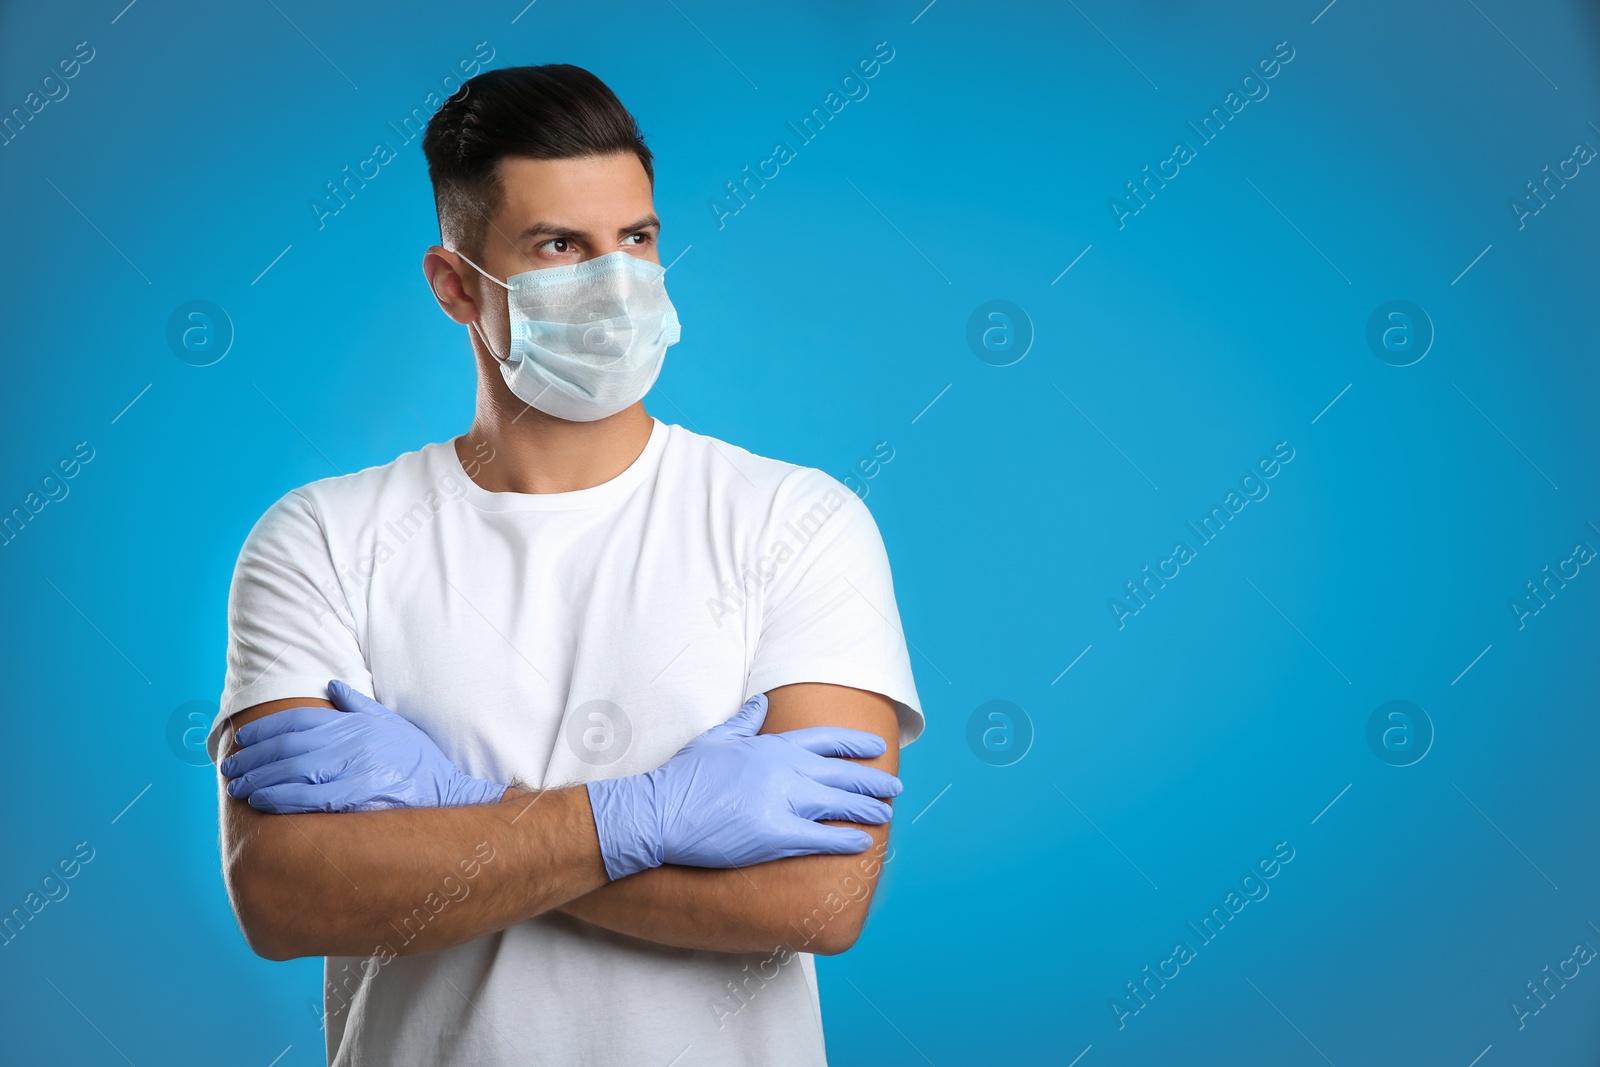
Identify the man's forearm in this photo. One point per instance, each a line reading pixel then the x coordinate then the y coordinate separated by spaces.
pixel 411 879
pixel 812 904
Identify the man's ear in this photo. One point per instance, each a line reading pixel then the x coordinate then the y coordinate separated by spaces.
pixel 446 274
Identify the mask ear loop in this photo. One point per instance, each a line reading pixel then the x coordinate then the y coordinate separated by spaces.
pixel 474 324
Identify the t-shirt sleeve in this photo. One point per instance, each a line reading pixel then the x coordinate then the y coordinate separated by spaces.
pixel 290 628
pixel 828 609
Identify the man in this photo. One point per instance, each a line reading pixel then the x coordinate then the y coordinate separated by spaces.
pixel 525 828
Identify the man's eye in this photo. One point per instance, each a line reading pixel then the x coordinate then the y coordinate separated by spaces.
pixel 644 238
pixel 558 241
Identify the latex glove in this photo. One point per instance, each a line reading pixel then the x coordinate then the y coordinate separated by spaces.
pixel 362 757
pixel 732 798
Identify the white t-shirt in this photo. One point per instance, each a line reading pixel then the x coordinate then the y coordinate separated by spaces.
pixel 550 639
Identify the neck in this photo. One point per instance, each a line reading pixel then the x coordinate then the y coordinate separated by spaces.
pixel 513 448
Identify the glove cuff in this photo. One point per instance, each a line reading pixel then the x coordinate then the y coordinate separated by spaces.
pixel 626 823
pixel 465 789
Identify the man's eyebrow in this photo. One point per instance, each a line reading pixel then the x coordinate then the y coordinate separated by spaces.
pixel 552 229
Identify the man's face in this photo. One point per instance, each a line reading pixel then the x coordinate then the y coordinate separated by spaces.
pixel 558 211
pixel 552 212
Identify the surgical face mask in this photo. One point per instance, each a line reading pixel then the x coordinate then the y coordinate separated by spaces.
pixel 587 339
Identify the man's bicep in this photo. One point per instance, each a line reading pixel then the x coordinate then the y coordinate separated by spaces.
pixel 237 816
pixel 803 704
pixel 829 614
pixel 290 626
pixel 853 878
pixel 227 746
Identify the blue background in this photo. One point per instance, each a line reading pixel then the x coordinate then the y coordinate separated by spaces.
pixel 831 313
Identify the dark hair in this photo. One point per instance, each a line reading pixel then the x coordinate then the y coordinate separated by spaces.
pixel 553 111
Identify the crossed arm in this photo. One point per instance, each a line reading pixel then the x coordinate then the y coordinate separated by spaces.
pixel 345 884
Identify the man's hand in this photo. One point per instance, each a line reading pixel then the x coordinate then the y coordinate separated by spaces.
pixel 363 757
pixel 733 798
pixel 813 904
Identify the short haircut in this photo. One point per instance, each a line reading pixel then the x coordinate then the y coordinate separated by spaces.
pixel 552 111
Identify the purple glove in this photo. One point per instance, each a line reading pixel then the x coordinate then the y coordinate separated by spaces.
pixel 362 757
pixel 732 798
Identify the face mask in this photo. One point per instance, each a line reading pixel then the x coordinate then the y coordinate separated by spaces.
pixel 587 339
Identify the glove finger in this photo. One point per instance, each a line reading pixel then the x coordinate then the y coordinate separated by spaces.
pixel 821 802
pixel 347 699
pixel 296 798
pixel 837 741
pixel 746 722
pixel 813 838
pixel 855 777
pixel 281 746
pixel 318 767
pixel 284 721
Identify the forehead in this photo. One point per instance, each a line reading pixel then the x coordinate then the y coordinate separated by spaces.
pixel 593 193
